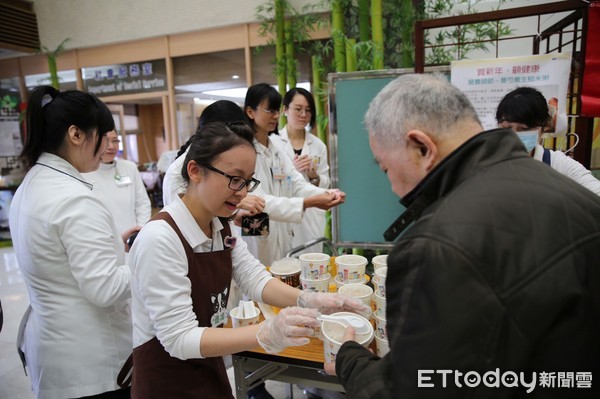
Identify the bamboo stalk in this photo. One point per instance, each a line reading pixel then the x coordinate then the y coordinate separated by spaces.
pixel 406 34
pixel 377 25
pixel 290 55
pixel 280 45
pixel 364 29
pixel 350 55
pixel 317 89
pixel 337 34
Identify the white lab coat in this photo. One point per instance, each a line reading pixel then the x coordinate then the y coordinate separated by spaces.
pixel 120 188
pixel 313 224
pixel 284 201
pixel 78 334
pixel 570 168
pixel 173 183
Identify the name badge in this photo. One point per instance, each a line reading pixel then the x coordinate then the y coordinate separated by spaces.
pixel 123 180
pixel 277 172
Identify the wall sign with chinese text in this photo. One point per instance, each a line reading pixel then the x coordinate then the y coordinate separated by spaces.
pixel 136 77
pixel 487 81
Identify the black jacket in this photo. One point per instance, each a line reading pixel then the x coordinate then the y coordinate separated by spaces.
pixel 499 272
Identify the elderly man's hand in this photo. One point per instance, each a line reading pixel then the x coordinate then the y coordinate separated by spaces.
pixel 348 336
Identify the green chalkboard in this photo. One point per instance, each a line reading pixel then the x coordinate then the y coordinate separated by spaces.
pixel 370 206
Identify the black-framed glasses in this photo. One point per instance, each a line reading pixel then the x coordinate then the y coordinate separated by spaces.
pixel 236 183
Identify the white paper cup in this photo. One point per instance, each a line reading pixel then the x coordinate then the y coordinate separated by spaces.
pixel 379 281
pixel 379 305
pixel 380 326
pixel 314 265
pixel 333 335
pixel 351 268
pixel 287 270
pixel 379 261
pixel 338 282
pixel 321 285
pixel 383 346
pixel 359 291
pixel 237 321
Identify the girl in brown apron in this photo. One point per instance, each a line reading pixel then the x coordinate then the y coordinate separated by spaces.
pixel 182 263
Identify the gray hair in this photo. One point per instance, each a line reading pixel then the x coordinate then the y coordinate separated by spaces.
pixel 426 102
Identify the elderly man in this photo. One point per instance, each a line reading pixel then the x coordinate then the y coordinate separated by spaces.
pixel 494 287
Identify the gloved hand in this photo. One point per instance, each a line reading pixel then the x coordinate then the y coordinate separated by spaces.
pixel 290 327
pixel 328 303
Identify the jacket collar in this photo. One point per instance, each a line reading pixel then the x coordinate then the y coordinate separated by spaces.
pixel 283 134
pixel 477 153
pixel 61 165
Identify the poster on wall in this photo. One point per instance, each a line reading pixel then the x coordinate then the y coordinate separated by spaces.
pixel 10 137
pixel 487 81
pixel 10 132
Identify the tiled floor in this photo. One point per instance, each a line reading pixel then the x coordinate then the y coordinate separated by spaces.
pixel 13 293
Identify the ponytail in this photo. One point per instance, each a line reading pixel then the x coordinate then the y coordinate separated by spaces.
pixel 51 112
pixel 34 142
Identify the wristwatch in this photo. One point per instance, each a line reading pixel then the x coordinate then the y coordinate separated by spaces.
pixel 315 181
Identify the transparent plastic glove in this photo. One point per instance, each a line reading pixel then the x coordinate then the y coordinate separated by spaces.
pixel 290 327
pixel 328 303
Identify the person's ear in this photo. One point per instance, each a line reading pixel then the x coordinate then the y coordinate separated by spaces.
pixel 427 151
pixel 195 172
pixel 75 136
pixel 250 112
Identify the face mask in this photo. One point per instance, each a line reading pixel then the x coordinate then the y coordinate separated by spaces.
pixel 529 139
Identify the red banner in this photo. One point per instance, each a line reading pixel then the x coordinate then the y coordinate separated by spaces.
pixel 590 91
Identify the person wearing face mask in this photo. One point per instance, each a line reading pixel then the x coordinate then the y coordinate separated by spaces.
pixel 525 110
pixel 495 264
pixel 118 184
pixel 309 155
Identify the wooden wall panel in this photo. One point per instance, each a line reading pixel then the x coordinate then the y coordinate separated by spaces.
pixel 9 68
pixel 150 143
pixel 34 64
pixel 135 51
pixel 208 41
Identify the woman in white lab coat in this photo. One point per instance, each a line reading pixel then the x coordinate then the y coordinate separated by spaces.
pixel 78 332
pixel 287 195
pixel 309 155
pixel 118 184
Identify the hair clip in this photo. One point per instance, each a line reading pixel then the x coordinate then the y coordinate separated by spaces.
pixel 230 242
pixel 47 99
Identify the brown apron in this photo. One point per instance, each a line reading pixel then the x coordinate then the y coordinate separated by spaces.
pixel 158 375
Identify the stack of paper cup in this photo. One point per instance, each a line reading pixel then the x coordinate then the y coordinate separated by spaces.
pixel 381 338
pixel 380 303
pixel 315 272
pixel 379 281
pixel 378 262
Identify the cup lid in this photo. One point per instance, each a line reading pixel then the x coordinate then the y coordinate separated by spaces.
pixel 314 256
pixel 285 266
